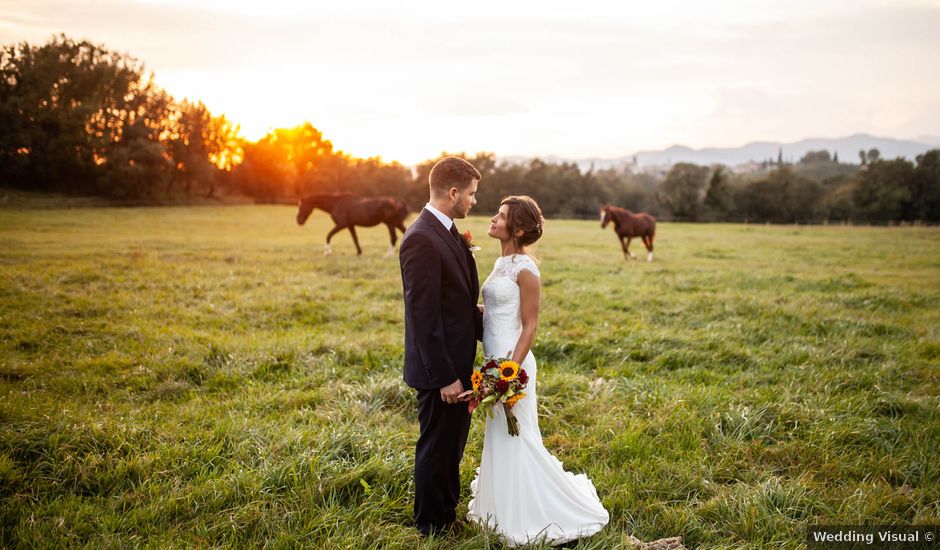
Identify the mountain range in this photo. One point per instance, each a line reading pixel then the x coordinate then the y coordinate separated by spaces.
pixel 846 147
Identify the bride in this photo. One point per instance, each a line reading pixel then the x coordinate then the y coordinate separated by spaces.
pixel 521 490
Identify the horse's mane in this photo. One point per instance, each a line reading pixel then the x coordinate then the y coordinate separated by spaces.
pixel 619 210
pixel 619 214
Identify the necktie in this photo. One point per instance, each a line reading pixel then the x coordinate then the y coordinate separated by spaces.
pixel 455 233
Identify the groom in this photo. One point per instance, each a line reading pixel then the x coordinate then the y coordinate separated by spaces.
pixel 442 326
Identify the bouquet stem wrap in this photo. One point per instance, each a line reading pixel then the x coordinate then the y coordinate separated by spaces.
pixel 511 421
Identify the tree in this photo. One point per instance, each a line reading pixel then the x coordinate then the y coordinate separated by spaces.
pixel 64 108
pixel 365 177
pixel 683 190
pixel 781 197
pixel 925 195
pixel 812 157
pixel 135 168
pixel 636 192
pixel 288 163
pixel 136 164
pixel 202 147
pixel 263 174
pixel 719 200
pixel 881 191
pixel 78 118
pixel 837 204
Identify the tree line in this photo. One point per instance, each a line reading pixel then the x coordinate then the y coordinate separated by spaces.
pixel 816 189
pixel 77 118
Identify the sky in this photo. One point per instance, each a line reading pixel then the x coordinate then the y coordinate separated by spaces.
pixel 569 79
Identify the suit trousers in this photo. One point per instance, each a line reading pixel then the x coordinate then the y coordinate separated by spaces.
pixel 444 430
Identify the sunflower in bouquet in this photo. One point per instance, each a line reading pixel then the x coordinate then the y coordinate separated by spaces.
pixel 498 380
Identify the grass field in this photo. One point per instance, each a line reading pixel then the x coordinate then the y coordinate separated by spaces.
pixel 179 377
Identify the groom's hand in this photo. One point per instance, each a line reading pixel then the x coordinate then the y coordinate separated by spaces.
pixel 452 393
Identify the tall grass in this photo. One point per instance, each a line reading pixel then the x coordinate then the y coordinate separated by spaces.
pixel 205 377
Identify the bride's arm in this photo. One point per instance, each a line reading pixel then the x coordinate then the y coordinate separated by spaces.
pixel 530 295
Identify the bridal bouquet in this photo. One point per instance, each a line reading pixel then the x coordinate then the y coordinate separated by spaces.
pixel 499 380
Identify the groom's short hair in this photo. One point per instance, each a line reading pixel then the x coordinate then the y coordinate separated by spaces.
pixel 451 172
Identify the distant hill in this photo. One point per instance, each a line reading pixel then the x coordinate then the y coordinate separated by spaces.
pixel 847 148
pixel 929 139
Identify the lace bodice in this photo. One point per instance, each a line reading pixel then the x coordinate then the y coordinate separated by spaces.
pixel 501 297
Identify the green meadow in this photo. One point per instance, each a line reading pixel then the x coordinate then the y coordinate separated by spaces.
pixel 205 377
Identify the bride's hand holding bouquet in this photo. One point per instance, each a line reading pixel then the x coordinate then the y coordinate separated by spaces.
pixel 498 380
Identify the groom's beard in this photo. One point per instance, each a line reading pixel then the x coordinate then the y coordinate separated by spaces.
pixel 461 213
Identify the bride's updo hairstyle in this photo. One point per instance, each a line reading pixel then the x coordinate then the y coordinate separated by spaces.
pixel 525 214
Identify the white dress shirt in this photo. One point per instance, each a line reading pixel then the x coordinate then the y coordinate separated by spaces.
pixel 444 219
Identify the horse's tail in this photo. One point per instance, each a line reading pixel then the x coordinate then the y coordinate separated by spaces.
pixel 652 231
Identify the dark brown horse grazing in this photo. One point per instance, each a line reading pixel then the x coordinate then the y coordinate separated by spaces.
pixel 349 211
pixel 628 225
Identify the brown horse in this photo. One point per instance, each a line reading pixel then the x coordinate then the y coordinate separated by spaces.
pixel 349 211
pixel 628 225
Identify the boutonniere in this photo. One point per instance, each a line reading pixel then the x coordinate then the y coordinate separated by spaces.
pixel 468 240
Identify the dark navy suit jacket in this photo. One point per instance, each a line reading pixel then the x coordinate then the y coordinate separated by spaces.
pixel 441 289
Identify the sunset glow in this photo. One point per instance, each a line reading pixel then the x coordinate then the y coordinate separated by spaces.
pixel 595 79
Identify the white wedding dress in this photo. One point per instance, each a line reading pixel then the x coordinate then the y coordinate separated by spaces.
pixel 521 490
